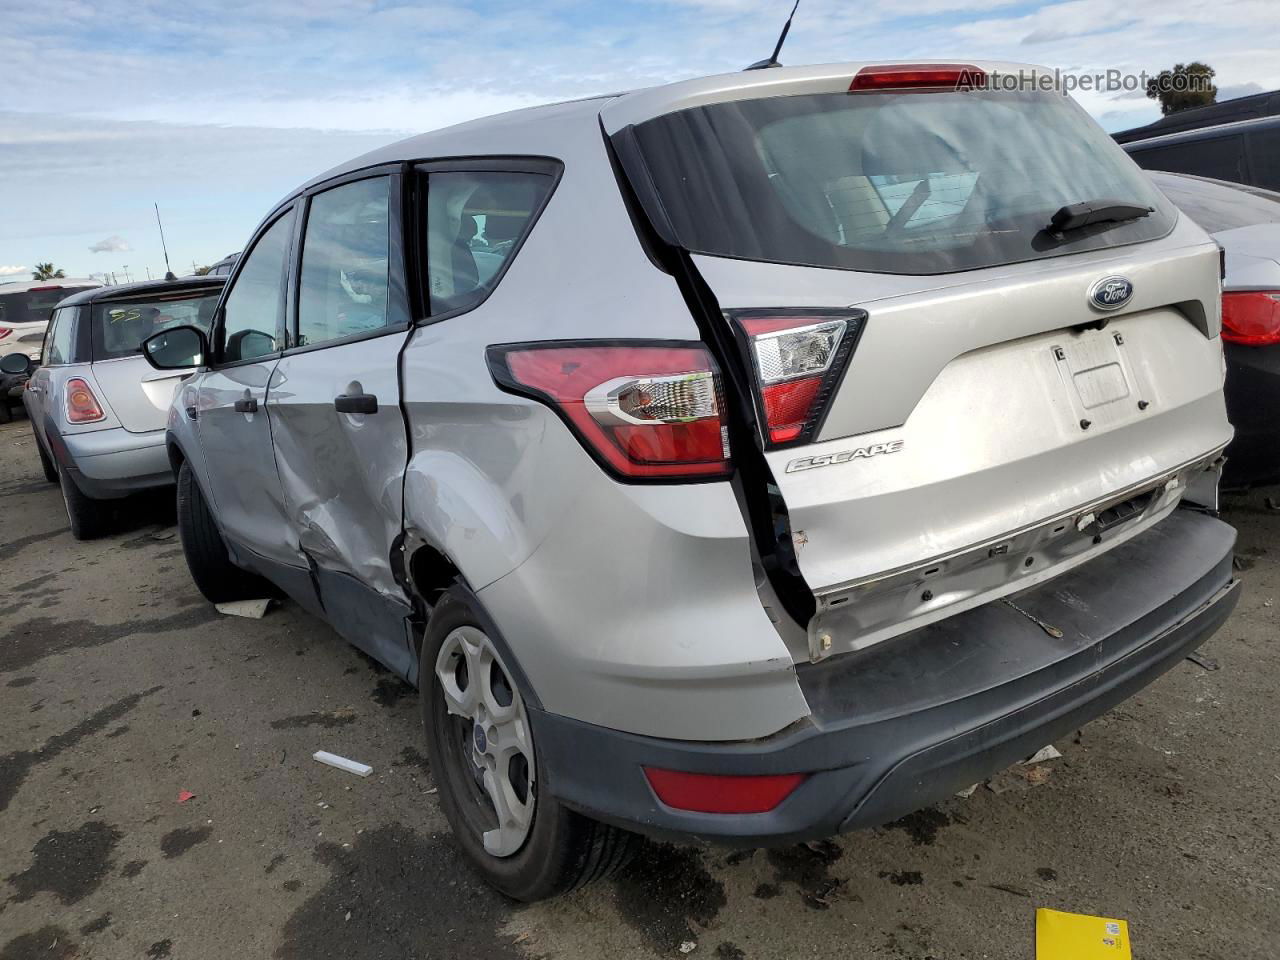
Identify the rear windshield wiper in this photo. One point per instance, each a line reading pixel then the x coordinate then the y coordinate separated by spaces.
pixel 1088 212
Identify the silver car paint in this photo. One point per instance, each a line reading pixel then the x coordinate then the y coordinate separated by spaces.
pixel 139 395
pixel 342 473
pixel 239 470
pixel 637 607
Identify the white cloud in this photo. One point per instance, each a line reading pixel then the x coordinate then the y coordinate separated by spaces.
pixel 113 244
pixel 12 271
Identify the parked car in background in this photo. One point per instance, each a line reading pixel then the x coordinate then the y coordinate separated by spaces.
pixel 25 308
pixel 868 441
pixel 1246 222
pixel 97 408
pixel 1215 114
pixel 223 267
pixel 1245 151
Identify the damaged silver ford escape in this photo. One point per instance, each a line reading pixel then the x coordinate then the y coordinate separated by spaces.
pixel 751 458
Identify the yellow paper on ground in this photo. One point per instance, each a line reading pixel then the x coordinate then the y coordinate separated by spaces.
pixel 1074 936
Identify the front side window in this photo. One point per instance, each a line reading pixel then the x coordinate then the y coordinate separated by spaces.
pixel 119 328
pixel 474 223
pixel 891 182
pixel 251 316
pixel 345 260
pixel 58 342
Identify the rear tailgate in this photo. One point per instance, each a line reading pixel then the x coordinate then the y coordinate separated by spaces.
pixel 138 393
pixel 948 411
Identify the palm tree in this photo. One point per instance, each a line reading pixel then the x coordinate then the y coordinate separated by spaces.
pixel 45 271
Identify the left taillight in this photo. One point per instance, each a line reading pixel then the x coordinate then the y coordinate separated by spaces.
pixel 645 411
pixel 798 359
pixel 1251 317
pixel 82 405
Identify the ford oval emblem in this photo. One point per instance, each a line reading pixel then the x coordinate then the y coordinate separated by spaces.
pixel 1111 293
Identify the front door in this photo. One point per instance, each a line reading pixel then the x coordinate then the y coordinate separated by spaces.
pixel 231 399
pixel 334 406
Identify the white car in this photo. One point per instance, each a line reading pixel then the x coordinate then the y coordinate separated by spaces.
pixel 25 309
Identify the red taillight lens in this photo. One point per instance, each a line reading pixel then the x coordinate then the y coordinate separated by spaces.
pixel 916 75
pixel 1251 318
pixel 797 360
pixel 646 412
pixel 710 793
pixel 82 405
pixel 5 331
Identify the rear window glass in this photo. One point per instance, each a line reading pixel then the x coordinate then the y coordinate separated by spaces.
pixel 32 306
pixel 1217 207
pixel 120 327
pixel 912 183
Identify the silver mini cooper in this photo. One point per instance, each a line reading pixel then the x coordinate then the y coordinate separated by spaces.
pixel 751 458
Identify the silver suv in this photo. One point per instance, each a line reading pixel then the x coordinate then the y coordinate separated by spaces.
pixel 751 458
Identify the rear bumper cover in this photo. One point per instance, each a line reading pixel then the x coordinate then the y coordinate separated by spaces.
pixel 113 463
pixel 909 721
pixel 1253 406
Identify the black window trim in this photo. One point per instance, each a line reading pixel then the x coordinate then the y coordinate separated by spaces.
pixel 397 284
pixel 215 362
pixel 542 165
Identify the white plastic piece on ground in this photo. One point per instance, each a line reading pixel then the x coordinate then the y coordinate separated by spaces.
pixel 342 763
pixel 967 792
pixel 253 609
pixel 1043 754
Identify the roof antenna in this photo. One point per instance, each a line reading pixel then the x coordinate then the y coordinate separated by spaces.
pixel 168 273
pixel 782 38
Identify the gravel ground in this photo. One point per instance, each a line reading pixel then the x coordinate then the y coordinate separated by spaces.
pixel 120 687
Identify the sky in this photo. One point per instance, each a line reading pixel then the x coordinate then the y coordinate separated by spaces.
pixel 216 110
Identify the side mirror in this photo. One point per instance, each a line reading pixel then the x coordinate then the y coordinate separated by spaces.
pixel 176 348
pixel 16 364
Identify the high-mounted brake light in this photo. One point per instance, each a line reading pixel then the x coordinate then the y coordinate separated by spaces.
pixel 645 410
pixel 82 405
pixel 798 359
pixel 52 286
pixel 714 793
pixel 1251 318
pixel 916 75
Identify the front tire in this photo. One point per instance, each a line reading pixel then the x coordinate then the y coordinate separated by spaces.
pixel 493 787
pixel 88 517
pixel 215 576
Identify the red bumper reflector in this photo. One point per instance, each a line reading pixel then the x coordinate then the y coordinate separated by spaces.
pixel 906 75
pixel 710 793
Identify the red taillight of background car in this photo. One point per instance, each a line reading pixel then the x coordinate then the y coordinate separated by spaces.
pixel 714 793
pixel 5 331
pixel 900 76
pixel 82 405
pixel 1252 317
pixel 645 411
pixel 798 359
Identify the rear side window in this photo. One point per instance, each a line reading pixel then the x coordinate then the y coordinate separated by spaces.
pixel 251 317
pixel 890 182
pixel 118 328
pixel 1221 158
pixel 474 223
pixel 61 336
pixel 345 260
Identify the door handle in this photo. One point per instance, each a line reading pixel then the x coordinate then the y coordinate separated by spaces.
pixel 246 405
pixel 356 403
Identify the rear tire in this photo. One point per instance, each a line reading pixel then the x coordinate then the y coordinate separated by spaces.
pixel 88 517
pixel 215 576
pixel 46 461
pixel 561 849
